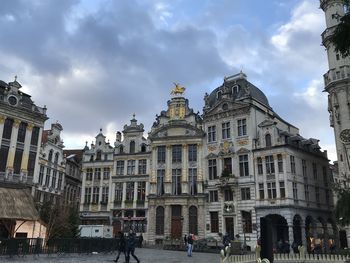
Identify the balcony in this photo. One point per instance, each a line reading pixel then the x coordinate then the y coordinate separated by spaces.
pixel 327 33
pixel 337 74
pixel 227 181
pixel 16 178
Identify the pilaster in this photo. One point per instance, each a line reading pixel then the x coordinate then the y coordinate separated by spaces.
pixel 13 143
pixel 24 164
pixel 2 121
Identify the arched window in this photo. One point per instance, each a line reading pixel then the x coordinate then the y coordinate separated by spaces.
pixel 50 156
pixel 132 147
pixel 193 220
pixel 143 148
pixel 268 140
pixel 56 157
pixel 160 220
pixel 219 95
pixel 98 155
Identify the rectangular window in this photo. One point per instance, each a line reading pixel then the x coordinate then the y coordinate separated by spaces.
pixel 31 163
pixel 131 167
pixel 60 178
pixel 22 132
pixel 214 222
pixel 292 164
pixel 129 191
pixel 192 152
pixel 314 170
pixel 226 130
pixel 212 133
pixel 325 177
pixel 280 163
pixel 303 165
pixel 141 191
pixel 176 153
pixel 228 195
pixel 87 197
pixel 228 166
pixel 106 173
pixel 89 172
pixel 120 168
pixel 143 166
pixel 176 182
pixel 118 194
pixel 306 190
pixel 242 127
pixel 317 194
pixel 6 134
pixel 47 179
pixel 35 136
pixel 105 191
pixel 97 174
pixel 95 194
pixel 243 165
pixel 282 190
pixel 271 190
pixel 247 222
pixel 270 165
pixel 41 174
pixel 54 176
pixel 160 181
pixel 161 154
pixel 213 196
pixel 327 197
pixel 17 161
pixel 261 191
pixel 3 157
pixel 295 191
pixel 260 166
pixel 245 193
pixel 192 181
pixel 212 169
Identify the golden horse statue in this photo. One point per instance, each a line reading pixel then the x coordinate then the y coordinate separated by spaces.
pixel 178 89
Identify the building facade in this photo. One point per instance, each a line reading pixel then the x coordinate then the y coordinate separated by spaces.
pixel 176 199
pixel 257 165
pixel 50 178
pixel 21 126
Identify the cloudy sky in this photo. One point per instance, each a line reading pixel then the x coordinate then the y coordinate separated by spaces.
pixel 95 63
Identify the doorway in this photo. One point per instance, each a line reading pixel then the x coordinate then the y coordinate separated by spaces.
pixel 176 227
pixel 230 229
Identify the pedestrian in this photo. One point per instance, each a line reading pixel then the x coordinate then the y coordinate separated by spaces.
pixel 185 241
pixel 189 245
pixel 226 240
pixel 140 240
pixel 121 246
pixel 130 247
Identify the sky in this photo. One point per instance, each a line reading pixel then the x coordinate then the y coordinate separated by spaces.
pixel 95 63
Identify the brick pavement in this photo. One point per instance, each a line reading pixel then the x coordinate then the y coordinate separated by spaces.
pixel 146 255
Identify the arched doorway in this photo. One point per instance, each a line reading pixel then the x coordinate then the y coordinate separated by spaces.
pixel 279 231
pixel 297 236
pixel 309 233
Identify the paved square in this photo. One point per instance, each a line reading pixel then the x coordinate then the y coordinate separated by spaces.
pixel 146 255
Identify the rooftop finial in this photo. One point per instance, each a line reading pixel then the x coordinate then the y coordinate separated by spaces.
pixel 134 115
pixel 16 78
pixel 100 130
pixel 86 143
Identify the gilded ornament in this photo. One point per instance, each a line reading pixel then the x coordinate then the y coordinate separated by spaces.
pixel 178 90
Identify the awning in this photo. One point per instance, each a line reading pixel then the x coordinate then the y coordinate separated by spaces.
pixel 17 204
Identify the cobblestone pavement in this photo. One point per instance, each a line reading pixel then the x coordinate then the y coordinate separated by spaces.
pixel 146 255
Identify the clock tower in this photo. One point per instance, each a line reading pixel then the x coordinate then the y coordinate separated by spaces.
pixel 337 84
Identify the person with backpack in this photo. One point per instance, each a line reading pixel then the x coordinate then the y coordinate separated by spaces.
pixel 121 245
pixel 130 247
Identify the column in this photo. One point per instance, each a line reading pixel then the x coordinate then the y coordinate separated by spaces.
pixel 200 177
pixel 2 121
pixel 167 220
pixel 168 166
pixel 12 149
pixel 153 172
pixel 37 167
pixel 184 169
pixel 185 221
pixel 24 164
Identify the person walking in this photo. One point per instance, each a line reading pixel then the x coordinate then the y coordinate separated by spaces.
pixel 140 240
pixel 189 245
pixel 121 246
pixel 130 247
pixel 185 241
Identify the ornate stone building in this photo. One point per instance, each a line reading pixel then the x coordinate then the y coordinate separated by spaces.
pixel 50 177
pixel 21 126
pixel 176 199
pixel 257 165
pixel 115 181
pixel 337 84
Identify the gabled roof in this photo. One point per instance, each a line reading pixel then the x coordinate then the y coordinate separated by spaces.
pixel 17 203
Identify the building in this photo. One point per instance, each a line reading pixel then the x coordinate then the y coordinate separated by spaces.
pixel 337 84
pixel 72 186
pixel 115 181
pixel 257 165
pixel 50 178
pixel 21 126
pixel 176 201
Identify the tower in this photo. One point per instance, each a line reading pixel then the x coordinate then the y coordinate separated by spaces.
pixel 337 84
